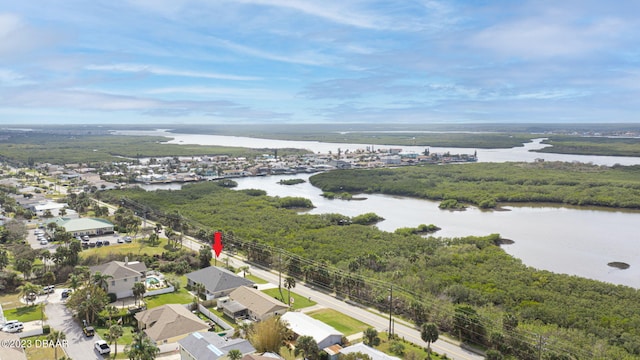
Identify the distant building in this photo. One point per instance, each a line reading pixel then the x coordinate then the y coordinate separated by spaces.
pixel 86 226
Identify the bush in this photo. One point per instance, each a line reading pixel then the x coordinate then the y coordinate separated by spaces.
pixel 112 297
pixel 46 329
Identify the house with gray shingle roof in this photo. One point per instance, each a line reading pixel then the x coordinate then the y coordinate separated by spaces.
pixel 210 346
pixel 217 281
pixel 123 276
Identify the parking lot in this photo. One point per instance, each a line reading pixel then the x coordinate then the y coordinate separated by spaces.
pixel 87 242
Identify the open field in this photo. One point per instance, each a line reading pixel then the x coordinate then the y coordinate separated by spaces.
pixel 343 323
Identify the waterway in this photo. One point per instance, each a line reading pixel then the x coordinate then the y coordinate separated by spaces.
pixel 556 238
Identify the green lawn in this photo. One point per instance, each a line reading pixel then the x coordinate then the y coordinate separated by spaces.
pixel 299 302
pixel 40 352
pixel 343 323
pixel 134 247
pixel 181 296
pixel 125 339
pixel 25 313
pixel 255 279
pixel 10 300
pixel 408 348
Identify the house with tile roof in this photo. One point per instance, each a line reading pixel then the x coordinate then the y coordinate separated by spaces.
pixel 217 281
pixel 123 276
pixel 169 323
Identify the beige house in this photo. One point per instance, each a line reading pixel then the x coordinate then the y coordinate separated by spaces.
pixel 123 276
pixel 258 305
pixel 169 323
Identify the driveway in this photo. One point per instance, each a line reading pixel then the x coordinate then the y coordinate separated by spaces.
pixel 61 319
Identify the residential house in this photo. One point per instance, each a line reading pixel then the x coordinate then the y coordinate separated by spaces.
pixel 258 305
pixel 211 346
pixel 304 325
pixel 123 276
pixel 264 356
pixel 217 281
pixel 169 323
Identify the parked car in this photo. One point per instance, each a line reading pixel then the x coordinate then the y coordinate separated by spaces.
pixel 120 241
pixel 127 239
pixel 102 347
pixel 85 238
pixel 99 243
pixel 13 327
pixel 65 293
pixel 44 242
pixel 88 331
pixel 106 242
pixel 49 289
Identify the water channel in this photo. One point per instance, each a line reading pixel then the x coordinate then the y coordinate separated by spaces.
pixel 556 238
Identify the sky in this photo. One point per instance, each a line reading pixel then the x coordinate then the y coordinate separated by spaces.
pixel 344 61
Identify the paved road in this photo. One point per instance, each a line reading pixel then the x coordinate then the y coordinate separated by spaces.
pixel 379 322
pixel 60 318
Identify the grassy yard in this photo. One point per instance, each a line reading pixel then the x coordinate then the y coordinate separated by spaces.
pixel 255 279
pixel 40 352
pixel 181 296
pixel 385 344
pixel 343 323
pixel 10 300
pixel 25 313
pixel 299 302
pixel 136 247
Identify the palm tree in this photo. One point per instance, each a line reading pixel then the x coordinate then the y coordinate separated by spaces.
pixel 308 347
pixel 27 289
pixel 234 354
pixel 115 332
pixel 371 337
pixel 141 348
pixel 138 291
pixel 101 280
pixel 289 283
pixel 200 290
pixel 55 337
pixel 245 270
pixel 74 282
pixel 111 310
pixel 429 333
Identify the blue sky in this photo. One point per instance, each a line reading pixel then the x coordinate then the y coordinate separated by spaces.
pixel 290 61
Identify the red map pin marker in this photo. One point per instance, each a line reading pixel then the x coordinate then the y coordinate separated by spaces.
pixel 217 243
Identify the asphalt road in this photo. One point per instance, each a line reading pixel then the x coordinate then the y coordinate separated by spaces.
pixel 60 318
pixel 377 321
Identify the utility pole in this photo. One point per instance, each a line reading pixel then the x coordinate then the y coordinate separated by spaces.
pixel 390 310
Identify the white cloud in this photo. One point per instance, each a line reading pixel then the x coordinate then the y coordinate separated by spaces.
pixel 544 38
pixel 157 70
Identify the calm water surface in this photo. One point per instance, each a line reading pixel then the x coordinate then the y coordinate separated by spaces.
pixel 559 239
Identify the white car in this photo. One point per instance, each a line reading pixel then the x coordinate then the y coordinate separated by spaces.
pixel 102 347
pixel 44 242
pixel 13 327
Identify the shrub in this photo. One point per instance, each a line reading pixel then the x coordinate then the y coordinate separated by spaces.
pixel 112 297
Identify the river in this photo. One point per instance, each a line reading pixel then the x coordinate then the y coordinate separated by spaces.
pixel 556 238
